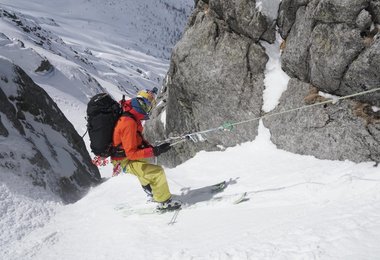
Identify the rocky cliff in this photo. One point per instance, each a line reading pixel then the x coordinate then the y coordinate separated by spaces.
pixel 217 72
pixel 330 47
pixel 37 142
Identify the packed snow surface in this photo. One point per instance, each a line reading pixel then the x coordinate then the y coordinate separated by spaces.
pixel 299 207
pixel 268 7
pixel 276 80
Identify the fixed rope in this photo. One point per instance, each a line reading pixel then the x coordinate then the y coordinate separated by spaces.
pixel 228 126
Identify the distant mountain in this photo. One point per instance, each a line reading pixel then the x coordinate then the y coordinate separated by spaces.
pixel 121 46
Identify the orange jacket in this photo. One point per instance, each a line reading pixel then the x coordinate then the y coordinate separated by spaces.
pixel 128 133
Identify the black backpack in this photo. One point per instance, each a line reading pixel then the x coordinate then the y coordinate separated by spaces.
pixel 102 114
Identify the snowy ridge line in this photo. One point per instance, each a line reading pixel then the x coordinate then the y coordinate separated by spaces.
pixel 228 126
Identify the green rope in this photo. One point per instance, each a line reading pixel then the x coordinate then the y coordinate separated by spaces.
pixel 228 126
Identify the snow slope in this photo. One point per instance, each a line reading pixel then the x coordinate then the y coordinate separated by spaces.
pixel 276 80
pixel 147 26
pixel 299 207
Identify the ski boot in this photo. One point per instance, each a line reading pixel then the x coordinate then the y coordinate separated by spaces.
pixel 170 204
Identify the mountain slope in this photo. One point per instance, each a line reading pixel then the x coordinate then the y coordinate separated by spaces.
pixel 43 160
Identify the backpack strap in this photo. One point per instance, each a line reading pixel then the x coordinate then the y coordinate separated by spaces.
pixel 128 114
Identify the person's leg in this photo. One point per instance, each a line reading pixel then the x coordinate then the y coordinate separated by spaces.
pixel 153 175
pixel 121 165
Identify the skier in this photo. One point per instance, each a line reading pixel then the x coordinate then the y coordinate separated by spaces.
pixel 133 150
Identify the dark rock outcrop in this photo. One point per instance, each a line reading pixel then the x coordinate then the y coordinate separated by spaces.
pixel 45 66
pixel 38 142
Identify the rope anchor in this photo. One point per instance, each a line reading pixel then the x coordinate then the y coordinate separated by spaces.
pixel 196 138
pixel 193 137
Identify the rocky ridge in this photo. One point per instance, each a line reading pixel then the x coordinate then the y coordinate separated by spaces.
pixel 217 71
pixel 216 74
pixel 330 47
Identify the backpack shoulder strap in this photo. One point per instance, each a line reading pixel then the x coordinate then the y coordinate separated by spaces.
pixel 128 114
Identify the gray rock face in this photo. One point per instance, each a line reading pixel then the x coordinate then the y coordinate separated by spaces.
pixel 287 15
pixel 364 74
pixel 339 11
pixel 37 141
pixel 364 20
pixel 295 58
pixel 241 16
pixel 216 75
pixel 334 132
pixel 329 43
pixel 375 9
pixel 333 48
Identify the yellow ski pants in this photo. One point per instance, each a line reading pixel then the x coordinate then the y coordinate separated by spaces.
pixel 147 173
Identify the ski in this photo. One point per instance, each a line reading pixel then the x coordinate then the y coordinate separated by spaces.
pixel 190 199
pixel 243 197
pixel 218 187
